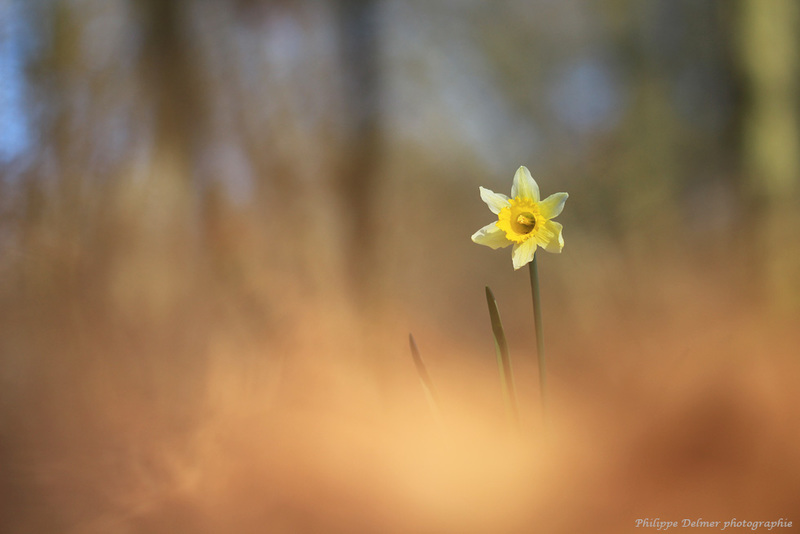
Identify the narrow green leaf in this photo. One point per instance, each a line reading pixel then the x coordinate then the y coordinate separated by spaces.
pixel 503 358
pixel 427 383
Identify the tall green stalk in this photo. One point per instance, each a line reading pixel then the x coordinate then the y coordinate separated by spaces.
pixel 537 319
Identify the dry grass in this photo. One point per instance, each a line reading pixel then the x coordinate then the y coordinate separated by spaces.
pixel 143 399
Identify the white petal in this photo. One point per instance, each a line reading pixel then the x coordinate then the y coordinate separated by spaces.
pixel 524 185
pixel 550 237
pixel 522 254
pixel 495 201
pixel 491 236
pixel 552 206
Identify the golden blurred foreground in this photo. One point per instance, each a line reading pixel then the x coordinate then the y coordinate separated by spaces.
pixel 145 393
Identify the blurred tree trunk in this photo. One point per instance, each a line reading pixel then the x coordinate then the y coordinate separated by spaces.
pixel 359 45
pixel 153 202
pixel 771 144
pixel 648 172
pixel 167 71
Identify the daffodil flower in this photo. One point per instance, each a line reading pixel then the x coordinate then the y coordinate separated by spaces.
pixel 523 220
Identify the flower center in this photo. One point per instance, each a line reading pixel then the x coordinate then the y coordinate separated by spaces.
pixel 524 223
pixel 518 219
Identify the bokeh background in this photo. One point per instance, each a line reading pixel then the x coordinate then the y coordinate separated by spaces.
pixel 219 221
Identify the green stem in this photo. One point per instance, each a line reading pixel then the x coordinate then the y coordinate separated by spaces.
pixel 503 359
pixel 537 319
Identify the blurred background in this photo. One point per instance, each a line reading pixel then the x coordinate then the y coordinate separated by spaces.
pixel 207 206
